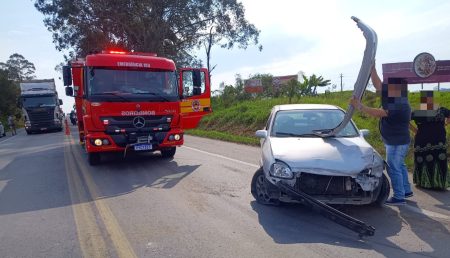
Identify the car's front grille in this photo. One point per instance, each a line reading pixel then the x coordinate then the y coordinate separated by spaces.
pixel 326 185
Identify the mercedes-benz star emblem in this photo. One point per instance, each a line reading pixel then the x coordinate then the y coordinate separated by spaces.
pixel 139 122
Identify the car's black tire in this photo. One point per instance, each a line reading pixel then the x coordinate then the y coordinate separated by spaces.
pixel 94 158
pixel 169 152
pixel 260 189
pixel 385 189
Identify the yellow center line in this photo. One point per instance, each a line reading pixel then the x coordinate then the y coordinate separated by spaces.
pixel 90 238
pixel 119 240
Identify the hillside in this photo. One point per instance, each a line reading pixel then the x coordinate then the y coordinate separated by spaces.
pixel 239 122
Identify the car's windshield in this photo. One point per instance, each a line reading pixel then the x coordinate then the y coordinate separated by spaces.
pixel 306 123
pixel 47 101
pixel 131 85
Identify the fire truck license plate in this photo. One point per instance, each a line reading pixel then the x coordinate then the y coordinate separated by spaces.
pixel 142 147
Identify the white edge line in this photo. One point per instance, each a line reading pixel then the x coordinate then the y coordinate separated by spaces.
pixel 223 157
pixel 11 137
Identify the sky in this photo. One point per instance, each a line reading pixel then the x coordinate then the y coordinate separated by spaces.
pixel 315 37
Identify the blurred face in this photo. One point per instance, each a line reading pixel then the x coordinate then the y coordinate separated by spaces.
pixel 426 100
pixel 394 90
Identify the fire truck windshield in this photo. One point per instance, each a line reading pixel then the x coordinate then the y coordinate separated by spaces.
pixel 107 84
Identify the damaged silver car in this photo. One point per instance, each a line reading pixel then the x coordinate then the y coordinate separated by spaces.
pixel 298 152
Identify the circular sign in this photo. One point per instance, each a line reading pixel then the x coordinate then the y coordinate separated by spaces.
pixel 424 65
pixel 196 105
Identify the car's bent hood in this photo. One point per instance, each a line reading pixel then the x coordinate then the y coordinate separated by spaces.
pixel 325 156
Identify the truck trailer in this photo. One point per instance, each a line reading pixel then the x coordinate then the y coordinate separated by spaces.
pixel 40 106
pixel 135 102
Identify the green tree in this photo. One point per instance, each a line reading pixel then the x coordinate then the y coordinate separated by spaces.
pixel 267 83
pixel 171 28
pixel 19 68
pixel 9 93
pixel 227 28
pixel 292 89
pixel 315 82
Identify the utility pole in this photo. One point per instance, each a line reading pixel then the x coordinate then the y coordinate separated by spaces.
pixel 341 82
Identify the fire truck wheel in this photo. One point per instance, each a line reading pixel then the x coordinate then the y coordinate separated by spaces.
pixel 169 152
pixel 94 158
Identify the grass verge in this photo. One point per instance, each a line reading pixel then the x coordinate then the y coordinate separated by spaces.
pixel 224 136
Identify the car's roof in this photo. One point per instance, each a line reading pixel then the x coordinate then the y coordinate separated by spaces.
pixel 304 106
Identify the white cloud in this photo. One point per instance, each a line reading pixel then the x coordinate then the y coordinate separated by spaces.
pixel 404 29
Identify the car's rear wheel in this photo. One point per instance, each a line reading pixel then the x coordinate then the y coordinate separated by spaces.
pixel 260 189
pixel 385 189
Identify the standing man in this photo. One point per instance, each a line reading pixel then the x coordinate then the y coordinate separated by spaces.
pixel 395 116
pixel 12 125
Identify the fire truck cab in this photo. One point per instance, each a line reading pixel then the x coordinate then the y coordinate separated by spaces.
pixel 127 101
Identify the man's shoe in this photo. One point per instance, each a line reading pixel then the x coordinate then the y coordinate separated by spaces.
pixel 395 201
pixel 409 195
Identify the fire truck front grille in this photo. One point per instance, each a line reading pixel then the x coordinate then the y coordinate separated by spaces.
pixel 130 122
pixel 142 129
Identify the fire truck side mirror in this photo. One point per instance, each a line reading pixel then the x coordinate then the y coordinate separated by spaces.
pixel 67 76
pixel 69 91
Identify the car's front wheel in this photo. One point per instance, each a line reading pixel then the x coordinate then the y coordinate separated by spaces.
pixel 260 189
pixel 385 189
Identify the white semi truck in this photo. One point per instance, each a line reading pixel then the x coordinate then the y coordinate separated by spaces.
pixel 40 106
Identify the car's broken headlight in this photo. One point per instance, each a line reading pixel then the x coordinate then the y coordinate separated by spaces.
pixel 281 170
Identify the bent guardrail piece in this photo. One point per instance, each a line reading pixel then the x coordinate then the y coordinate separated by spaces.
pixel 329 212
pixel 363 75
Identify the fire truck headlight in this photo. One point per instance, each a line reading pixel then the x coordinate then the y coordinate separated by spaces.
pixel 98 142
pixel 177 137
pixel 105 142
pixel 171 137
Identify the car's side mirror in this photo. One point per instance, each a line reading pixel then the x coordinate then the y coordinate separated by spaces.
pixel 261 134
pixel 364 132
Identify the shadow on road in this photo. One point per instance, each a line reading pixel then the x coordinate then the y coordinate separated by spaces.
pixel 118 175
pixel 442 196
pixel 32 175
pixel 35 178
pixel 295 223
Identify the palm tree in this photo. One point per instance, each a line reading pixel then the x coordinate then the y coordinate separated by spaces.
pixel 315 82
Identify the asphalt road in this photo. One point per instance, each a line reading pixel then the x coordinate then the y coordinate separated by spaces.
pixel 53 204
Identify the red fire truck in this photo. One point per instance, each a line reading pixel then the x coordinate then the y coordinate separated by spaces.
pixel 128 101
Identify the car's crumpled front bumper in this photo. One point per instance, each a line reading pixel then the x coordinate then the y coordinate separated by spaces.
pixel 333 187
